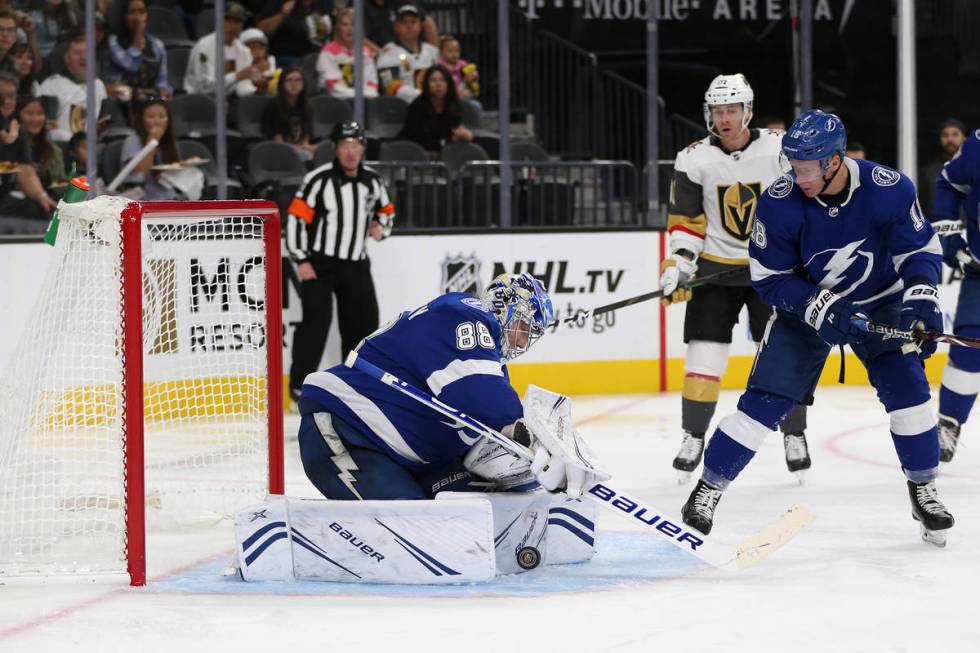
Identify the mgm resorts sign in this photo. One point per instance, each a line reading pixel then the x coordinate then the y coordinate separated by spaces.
pixel 767 10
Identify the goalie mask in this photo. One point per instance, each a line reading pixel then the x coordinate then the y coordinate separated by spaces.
pixel 728 89
pixel 522 307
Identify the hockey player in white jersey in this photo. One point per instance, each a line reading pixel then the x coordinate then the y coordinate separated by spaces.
pixel 713 198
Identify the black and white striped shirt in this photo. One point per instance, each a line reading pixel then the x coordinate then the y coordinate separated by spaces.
pixel 332 212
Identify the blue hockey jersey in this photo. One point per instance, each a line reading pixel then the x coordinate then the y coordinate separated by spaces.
pixel 451 347
pixel 863 249
pixel 959 184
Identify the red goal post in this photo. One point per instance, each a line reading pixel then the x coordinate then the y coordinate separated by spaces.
pixel 133 217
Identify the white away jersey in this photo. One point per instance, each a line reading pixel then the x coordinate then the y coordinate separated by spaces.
pixel 714 195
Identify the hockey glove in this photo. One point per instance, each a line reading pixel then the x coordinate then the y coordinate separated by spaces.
pixel 952 246
pixel 920 312
pixel 836 320
pixel 675 272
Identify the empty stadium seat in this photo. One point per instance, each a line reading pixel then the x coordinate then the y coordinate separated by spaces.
pixel 327 112
pixel 385 116
pixel 403 151
pixel 177 67
pixel 323 154
pixel 166 24
pixel 250 109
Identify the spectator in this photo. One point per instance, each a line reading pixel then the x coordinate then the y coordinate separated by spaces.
pixel 295 28
pixel 23 60
pixel 32 201
pixel 69 88
pixel 8 36
pixel 289 118
pixel 264 63
pixel 855 150
pixel 77 153
pixel 403 62
pixel 16 25
pixel 335 64
pixel 199 77
pixel 53 20
pixel 465 77
pixel 435 118
pixel 137 66
pixel 774 123
pixel 153 121
pixel 44 155
pixel 379 16
pixel 952 133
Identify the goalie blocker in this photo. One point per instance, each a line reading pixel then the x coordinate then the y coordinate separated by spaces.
pixel 458 537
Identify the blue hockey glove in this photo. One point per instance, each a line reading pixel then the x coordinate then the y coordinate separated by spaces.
pixel 836 320
pixel 953 245
pixel 920 311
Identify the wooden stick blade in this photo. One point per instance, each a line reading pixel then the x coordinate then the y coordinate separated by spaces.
pixel 763 544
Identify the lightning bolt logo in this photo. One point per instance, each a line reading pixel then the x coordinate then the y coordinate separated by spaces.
pixel 839 263
pixel 346 465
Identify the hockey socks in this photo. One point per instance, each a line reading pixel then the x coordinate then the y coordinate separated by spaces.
pixel 699 397
pixel 740 435
pixel 961 380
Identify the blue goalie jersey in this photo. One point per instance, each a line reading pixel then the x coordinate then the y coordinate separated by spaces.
pixel 450 346
pixel 959 184
pixel 864 249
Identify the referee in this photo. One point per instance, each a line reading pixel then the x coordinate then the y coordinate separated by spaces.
pixel 339 205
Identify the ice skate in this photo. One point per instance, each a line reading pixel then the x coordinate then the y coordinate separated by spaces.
pixel 689 457
pixel 949 437
pixel 699 511
pixel 797 454
pixel 933 517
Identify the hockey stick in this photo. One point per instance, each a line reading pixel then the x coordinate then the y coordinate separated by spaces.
pixel 581 315
pixel 746 554
pixel 887 331
pixel 946 227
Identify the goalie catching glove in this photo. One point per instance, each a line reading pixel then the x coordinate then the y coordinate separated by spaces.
pixel 562 459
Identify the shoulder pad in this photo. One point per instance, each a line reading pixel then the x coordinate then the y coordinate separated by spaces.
pixel 780 188
pixel 977 134
pixel 690 148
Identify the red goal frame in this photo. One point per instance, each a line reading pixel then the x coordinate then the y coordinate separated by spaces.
pixel 132 307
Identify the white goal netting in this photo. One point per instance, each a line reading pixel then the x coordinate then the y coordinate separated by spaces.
pixel 63 430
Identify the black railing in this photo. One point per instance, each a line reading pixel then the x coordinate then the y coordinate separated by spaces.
pixel 560 194
pixel 421 192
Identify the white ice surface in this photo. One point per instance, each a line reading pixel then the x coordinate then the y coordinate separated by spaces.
pixel 858 579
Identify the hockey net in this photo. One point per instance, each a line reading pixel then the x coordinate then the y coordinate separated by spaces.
pixel 146 385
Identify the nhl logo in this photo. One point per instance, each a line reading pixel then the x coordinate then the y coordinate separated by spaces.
pixel 461 274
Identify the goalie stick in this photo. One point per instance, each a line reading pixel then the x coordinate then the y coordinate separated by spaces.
pixel 752 550
pixel 581 315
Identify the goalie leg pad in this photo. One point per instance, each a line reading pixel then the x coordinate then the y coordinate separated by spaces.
pixel 263 542
pixel 538 528
pixel 572 530
pixel 413 542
